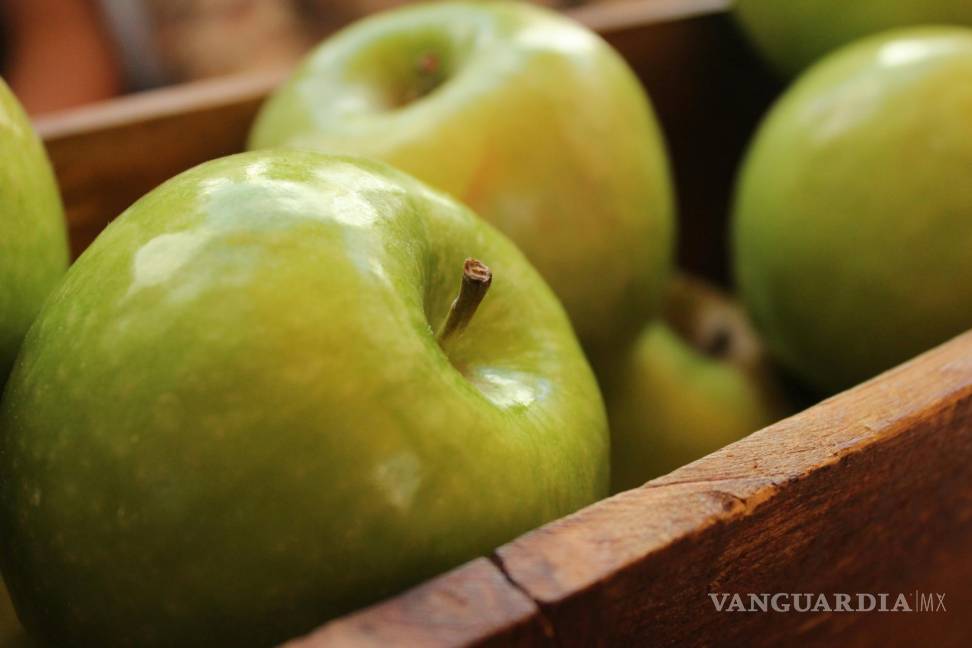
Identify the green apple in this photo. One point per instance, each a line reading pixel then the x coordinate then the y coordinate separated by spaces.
pixel 853 214
pixel 695 381
pixel 33 239
pixel 522 114
pixel 792 34
pixel 234 418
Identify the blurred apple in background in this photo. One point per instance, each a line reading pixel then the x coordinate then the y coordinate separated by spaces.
pixel 250 407
pixel 33 237
pixel 852 226
pixel 792 34
pixel 522 114
pixel 694 382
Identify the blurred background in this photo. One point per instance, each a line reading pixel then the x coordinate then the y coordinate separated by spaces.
pixel 57 54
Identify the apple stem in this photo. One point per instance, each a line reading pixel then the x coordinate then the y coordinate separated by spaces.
pixel 476 279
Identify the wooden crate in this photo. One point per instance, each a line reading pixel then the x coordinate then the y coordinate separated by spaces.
pixel 870 491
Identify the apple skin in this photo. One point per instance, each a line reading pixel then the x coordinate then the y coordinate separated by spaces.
pixel 528 118
pixel 796 33
pixel 694 381
pixel 852 220
pixel 33 238
pixel 232 420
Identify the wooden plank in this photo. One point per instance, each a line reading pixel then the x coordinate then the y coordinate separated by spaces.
pixel 472 604
pixel 870 491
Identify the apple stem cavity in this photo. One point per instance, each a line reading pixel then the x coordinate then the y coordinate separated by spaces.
pixel 428 76
pixel 476 279
pixel 428 64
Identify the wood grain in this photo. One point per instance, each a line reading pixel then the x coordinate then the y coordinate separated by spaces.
pixel 472 604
